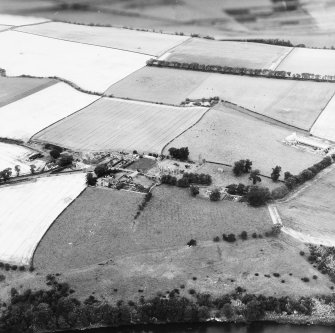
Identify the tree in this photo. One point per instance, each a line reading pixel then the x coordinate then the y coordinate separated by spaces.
pixel 239 167
pixel 17 170
pixel 275 173
pixel 101 170
pixel 183 182
pixel 244 235
pixel 90 179
pixel 194 190
pixel 228 311
pixel 287 175
pixel 258 196
pixel 179 153
pixel 5 174
pixel 254 176
pixel 54 153
pixel 254 310
pixel 247 166
pixel 215 195
pixel 32 168
pixel 65 160
pixel 192 242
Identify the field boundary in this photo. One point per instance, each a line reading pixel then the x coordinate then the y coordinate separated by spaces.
pixel 319 115
pixel 283 59
pixel 203 115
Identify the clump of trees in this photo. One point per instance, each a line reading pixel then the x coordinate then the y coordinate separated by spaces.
pixel 255 176
pixel 101 170
pixel 194 190
pixel 90 179
pixel 187 179
pixel 65 160
pixel 215 195
pixel 241 167
pixel 239 189
pixel 179 153
pixel 258 196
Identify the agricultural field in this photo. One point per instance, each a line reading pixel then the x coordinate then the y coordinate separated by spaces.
pixel 90 67
pixel 13 89
pixel 112 124
pixel 16 20
pixel 148 43
pixel 29 115
pixel 324 127
pixel 233 54
pixel 302 60
pixel 225 135
pixel 12 155
pixel 158 85
pixel 30 209
pixel 282 100
pixel 143 164
pixel 309 215
pixel 128 261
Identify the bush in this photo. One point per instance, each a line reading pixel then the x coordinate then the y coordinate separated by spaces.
pixel 191 291
pixel 192 242
pixel 254 235
pixel 276 275
pixel 315 277
pixel 216 239
pixel 215 195
pixel 305 279
pixel 302 253
pixel 244 235
pixel 194 190
pixel 258 196
pixel 231 238
pixel 279 192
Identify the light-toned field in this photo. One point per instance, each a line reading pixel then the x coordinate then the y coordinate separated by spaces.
pixel 152 254
pixel 112 124
pixel 302 60
pixel 225 135
pixel 149 43
pixel 12 155
pixel 4 27
pixel 29 209
pixel 233 54
pixel 17 20
pixel 310 213
pixel 159 85
pixel 324 127
pixel 283 100
pixel 90 67
pixel 29 115
pixel 12 89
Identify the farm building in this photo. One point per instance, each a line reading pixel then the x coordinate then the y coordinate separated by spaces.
pixel 308 142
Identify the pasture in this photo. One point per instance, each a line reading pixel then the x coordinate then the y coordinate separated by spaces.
pixel 30 209
pixel 316 61
pixel 12 155
pixel 158 85
pixel 151 254
pixel 148 43
pixel 282 100
pixel 29 115
pixel 310 213
pixel 225 135
pixel 324 127
pixel 232 54
pixel 112 124
pixel 12 89
pixel 90 67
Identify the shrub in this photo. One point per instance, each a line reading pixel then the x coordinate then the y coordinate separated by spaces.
pixel 305 279
pixel 302 253
pixel 194 190
pixel 215 195
pixel 258 196
pixel 315 277
pixel 279 192
pixel 254 235
pixel 231 238
pixel 244 235
pixel 216 239
pixel 192 242
pixel 191 291
pixel 276 274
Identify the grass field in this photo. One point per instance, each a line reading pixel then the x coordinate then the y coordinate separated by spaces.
pixel 152 254
pixel 324 127
pixel 12 89
pixel 111 124
pixel 310 213
pixel 29 211
pixel 161 85
pixel 283 100
pixel 225 135
pixel 302 60
pixel 12 155
pixel 233 54
pixel 129 40
pixel 143 164
pixel 29 115
pixel 90 67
